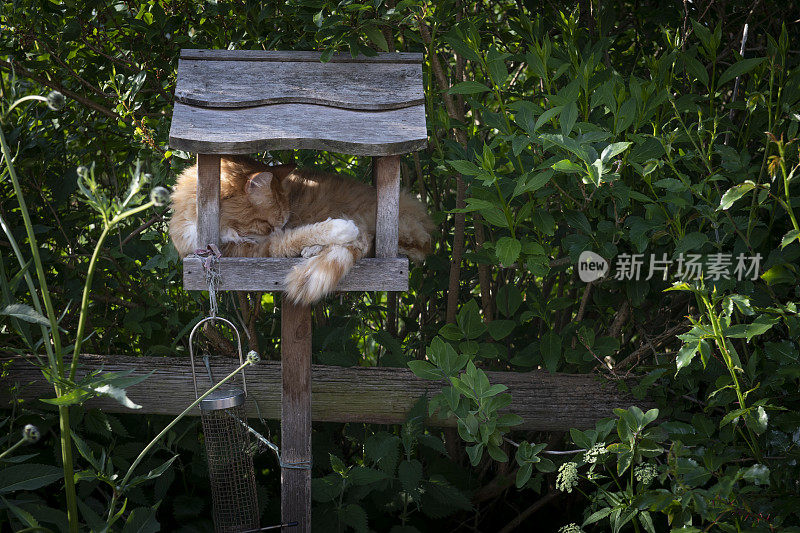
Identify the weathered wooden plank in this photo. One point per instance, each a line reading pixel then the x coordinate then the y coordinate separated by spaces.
pixel 293 55
pixel 297 126
pixel 269 273
pixel 296 414
pixel 208 171
pixel 365 86
pixel 387 181
pixel 546 402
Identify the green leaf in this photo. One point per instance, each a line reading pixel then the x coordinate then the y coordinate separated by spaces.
pixel 469 320
pixel 325 489
pixel 24 516
pixel 759 326
pixel 546 116
pixel 545 465
pixel 464 167
pixel 318 19
pixel 544 222
pixel 597 516
pixel 550 345
pixel 26 313
pixel 580 439
pixel 142 520
pixel 532 182
pixel 734 193
pixel 462 47
pixel 507 250
pixel 697 69
pixel 451 332
pixel 327 54
pixel 475 452
pixel 691 241
pixel 705 35
pixel 354 516
pixel 791 236
pixel 28 477
pixel 647 522
pixel 495 216
pixel 567 143
pixel 376 36
pixel 624 462
pixel 362 475
pixel 500 329
pixel 497 453
pixel 508 299
pixel 523 475
pixel 410 475
pixel 565 165
pixel 758 420
pixel 612 150
pixel 424 370
pixel 568 117
pixel 468 87
pixel 739 68
pixel 686 354
pixel 758 474
pixel 578 220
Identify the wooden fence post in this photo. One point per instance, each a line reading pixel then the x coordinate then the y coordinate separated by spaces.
pixel 296 414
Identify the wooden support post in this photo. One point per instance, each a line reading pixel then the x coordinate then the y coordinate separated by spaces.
pixel 296 414
pixel 386 174
pixel 207 200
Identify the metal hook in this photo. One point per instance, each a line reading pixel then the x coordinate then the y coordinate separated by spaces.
pixel 191 349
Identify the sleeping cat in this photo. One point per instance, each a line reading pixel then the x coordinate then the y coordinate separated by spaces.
pixel 280 211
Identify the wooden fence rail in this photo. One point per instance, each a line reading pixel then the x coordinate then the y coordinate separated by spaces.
pixel 546 402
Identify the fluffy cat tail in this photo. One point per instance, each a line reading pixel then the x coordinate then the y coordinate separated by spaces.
pixel 317 276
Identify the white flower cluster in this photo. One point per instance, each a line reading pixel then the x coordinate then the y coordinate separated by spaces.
pixel 645 473
pixel 591 455
pixel 570 528
pixel 567 477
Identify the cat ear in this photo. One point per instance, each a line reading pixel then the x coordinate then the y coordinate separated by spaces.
pixel 259 183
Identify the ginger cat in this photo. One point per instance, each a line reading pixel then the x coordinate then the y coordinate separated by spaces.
pixel 281 211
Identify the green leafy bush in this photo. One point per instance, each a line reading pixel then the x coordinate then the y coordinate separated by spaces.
pixel 619 129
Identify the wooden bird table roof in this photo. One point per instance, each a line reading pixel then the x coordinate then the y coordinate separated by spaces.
pixel 245 101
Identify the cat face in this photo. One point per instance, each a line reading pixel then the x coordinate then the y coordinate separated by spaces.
pixel 270 202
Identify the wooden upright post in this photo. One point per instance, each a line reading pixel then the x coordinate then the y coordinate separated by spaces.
pixel 207 199
pixel 386 175
pixel 296 414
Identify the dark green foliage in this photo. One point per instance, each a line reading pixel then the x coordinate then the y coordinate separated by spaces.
pixel 614 131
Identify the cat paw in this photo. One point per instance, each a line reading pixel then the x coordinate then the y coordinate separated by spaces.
pixel 311 251
pixel 232 236
pixel 341 231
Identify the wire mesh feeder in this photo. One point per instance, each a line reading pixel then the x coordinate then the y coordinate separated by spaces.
pixel 228 448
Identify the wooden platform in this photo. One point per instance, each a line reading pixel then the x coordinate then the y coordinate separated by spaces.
pixel 268 274
pixel 545 401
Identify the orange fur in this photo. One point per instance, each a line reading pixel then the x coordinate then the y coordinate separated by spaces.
pixel 284 212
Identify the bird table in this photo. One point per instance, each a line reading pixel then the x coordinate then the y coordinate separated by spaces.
pixel 247 101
